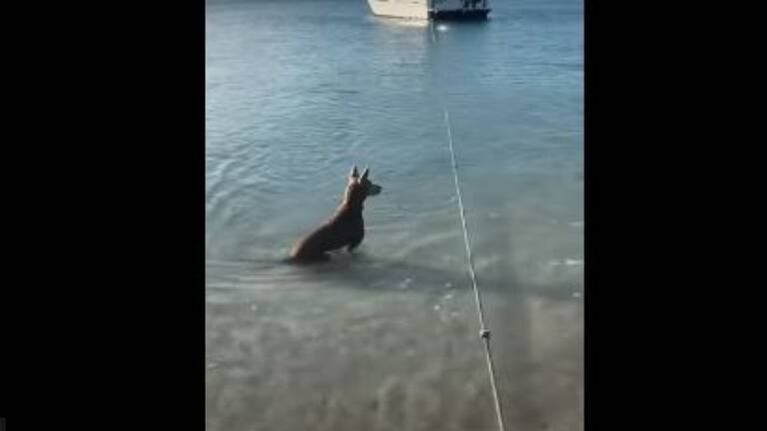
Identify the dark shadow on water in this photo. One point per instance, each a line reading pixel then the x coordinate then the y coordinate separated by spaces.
pixel 361 271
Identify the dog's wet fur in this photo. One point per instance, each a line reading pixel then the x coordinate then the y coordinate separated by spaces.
pixel 344 229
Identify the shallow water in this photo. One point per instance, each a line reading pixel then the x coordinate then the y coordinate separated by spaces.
pixel 386 338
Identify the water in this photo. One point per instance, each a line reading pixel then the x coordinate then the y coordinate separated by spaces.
pixel 386 339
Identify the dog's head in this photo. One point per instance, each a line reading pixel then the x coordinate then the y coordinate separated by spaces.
pixel 360 187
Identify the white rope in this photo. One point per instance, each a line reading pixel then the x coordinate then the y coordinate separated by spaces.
pixel 483 332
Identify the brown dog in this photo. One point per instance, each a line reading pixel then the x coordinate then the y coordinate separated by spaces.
pixel 345 228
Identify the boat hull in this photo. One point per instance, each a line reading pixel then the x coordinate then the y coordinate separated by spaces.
pixel 409 9
pixel 447 10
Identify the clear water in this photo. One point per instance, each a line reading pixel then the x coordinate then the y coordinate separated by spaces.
pixel 386 339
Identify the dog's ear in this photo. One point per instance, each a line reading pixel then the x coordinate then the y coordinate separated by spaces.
pixel 365 174
pixel 353 173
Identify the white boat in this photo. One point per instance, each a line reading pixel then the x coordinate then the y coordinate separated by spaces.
pixel 431 9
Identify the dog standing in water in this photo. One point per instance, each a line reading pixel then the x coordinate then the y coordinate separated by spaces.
pixel 345 228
